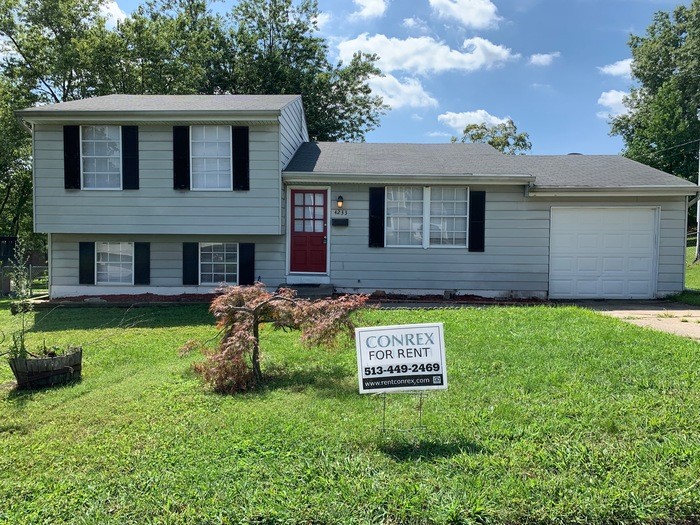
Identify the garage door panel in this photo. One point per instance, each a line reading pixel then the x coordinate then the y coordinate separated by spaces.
pixel 564 242
pixel 587 241
pixel 587 264
pixel 613 240
pixel 603 252
pixel 563 264
pixel 561 287
pixel 610 287
pixel 639 288
pixel 640 264
pixel 587 287
pixel 614 264
pixel 642 241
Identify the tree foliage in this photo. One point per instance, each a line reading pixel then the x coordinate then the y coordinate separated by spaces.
pixel 15 167
pixel 234 366
pixel 662 124
pixel 62 50
pixel 504 137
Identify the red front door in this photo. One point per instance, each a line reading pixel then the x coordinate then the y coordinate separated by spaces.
pixel 309 231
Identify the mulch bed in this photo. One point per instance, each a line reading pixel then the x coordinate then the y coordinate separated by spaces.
pixel 378 298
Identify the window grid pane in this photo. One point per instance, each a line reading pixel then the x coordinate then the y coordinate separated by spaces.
pixel 218 263
pixel 404 213
pixel 101 157
pixel 448 216
pixel 211 157
pixel 115 262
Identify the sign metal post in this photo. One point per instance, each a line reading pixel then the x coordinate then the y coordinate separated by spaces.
pixel 406 358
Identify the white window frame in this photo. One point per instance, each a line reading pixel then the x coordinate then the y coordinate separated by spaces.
pixel 121 153
pixel 199 263
pixel 133 264
pixel 230 157
pixel 426 221
pixel 466 232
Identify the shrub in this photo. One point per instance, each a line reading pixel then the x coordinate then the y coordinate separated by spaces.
pixel 234 365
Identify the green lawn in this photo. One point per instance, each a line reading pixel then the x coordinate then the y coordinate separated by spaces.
pixel 553 415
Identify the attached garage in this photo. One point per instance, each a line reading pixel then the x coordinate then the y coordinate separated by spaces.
pixel 603 252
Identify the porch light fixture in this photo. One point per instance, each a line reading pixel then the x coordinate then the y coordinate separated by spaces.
pixel 339 202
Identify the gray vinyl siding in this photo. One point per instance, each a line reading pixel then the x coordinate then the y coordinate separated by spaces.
pixel 515 262
pixel 516 258
pixel 156 208
pixel 166 257
pixel 292 131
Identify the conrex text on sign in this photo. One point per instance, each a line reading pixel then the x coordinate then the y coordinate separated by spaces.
pixel 401 358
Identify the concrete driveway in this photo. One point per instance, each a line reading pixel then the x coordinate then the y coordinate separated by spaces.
pixel 675 318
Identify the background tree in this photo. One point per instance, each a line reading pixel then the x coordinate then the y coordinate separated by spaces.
pixel 662 125
pixel 274 48
pixel 504 137
pixel 15 166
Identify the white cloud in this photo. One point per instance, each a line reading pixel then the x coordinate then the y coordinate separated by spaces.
pixel 476 14
pixel 440 134
pixel 416 117
pixel 112 13
pixel 459 121
pixel 621 68
pixel 322 20
pixel 369 8
pixel 423 55
pixel 612 100
pixel 543 59
pixel 408 92
pixel 415 23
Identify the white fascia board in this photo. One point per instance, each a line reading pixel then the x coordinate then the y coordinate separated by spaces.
pixel 629 191
pixel 291 177
pixel 148 117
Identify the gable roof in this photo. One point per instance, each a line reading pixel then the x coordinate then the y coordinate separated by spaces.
pixel 162 109
pixel 168 103
pixel 478 163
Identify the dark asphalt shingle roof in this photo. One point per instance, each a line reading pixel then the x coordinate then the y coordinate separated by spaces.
pixel 575 171
pixel 169 103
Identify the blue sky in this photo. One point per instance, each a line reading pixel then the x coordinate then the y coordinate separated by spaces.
pixel 558 68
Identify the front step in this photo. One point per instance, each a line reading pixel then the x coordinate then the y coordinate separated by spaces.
pixel 312 291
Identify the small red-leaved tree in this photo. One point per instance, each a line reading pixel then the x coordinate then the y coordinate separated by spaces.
pixel 234 366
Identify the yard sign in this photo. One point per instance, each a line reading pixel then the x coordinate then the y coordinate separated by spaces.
pixel 401 358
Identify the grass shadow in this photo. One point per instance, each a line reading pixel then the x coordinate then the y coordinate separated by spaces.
pixel 71 318
pixel 328 381
pixel 429 449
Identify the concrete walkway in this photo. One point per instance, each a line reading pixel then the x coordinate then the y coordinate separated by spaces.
pixel 675 318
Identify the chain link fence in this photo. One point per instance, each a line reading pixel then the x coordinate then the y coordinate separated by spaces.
pixel 38 275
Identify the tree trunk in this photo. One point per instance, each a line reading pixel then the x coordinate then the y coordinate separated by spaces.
pixel 257 373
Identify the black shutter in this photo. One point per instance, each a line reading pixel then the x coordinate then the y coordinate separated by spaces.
pixel 181 157
pixel 477 222
pixel 86 263
pixel 190 263
pixel 246 263
pixel 130 157
pixel 71 157
pixel 241 165
pixel 376 217
pixel 142 263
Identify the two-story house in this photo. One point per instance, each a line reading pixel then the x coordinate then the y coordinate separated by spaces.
pixel 177 194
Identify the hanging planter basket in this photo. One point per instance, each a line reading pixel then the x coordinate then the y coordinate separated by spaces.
pixel 38 372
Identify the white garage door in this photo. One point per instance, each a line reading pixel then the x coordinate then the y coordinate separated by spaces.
pixel 603 253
